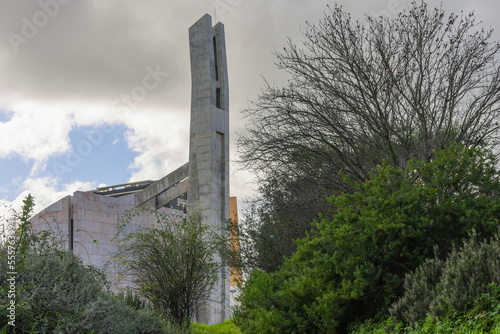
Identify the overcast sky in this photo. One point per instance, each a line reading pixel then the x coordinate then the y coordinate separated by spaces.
pixel 69 70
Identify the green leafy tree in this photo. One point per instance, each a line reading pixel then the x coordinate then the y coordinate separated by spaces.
pixel 175 262
pixel 352 267
pixel 362 92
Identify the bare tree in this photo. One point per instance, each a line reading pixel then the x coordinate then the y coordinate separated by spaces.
pixel 359 93
pixel 390 89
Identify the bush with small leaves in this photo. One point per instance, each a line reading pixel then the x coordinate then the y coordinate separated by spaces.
pixel 57 293
pixel 439 287
pixel 483 317
pixel 420 291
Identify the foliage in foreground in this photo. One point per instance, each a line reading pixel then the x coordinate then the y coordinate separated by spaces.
pixel 352 268
pixel 56 293
pixel 227 327
pixel 483 316
pixel 438 287
pixel 175 262
pixel 458 295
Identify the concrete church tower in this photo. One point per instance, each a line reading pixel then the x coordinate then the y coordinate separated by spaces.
pixel 90 216
pixel 208 184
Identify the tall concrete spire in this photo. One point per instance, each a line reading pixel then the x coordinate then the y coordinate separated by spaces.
pixel 208 180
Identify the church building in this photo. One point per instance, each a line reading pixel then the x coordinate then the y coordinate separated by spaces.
pixel 89 219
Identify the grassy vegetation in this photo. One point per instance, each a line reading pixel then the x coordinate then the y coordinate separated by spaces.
pixel 465 324
pixel 227 327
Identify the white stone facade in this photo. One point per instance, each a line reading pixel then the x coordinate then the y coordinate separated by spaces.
pixel 94 219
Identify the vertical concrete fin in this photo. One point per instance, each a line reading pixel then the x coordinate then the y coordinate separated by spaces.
pixel 71 232
pixel 208 180
pixel 220 52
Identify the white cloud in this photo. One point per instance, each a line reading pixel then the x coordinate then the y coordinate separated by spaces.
pixel 39 130
pixel 35 134
pixel 46 191
pixel 162 141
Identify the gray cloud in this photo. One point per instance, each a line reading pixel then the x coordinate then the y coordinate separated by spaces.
pixel 89 53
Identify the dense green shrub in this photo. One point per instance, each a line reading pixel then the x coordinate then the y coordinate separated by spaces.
pixel 106 314
pixel 352 268
pixel 57 293
pixel 438 287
